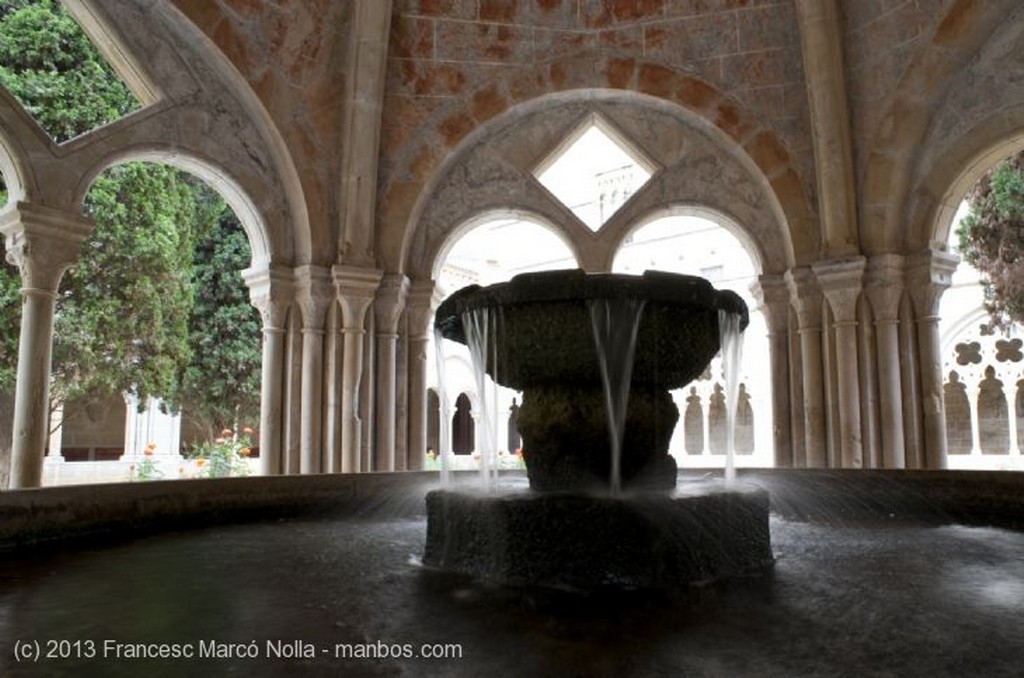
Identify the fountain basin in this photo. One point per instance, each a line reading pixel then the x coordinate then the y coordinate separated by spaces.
pixel 567 540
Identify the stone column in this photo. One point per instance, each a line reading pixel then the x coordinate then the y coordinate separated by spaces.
pixel 883 285
pixel 419 311
pixel 314 296
pixel 773 295
pixel 840 281
pixel 806 299
pixel 929 274
pixel 43 242
pixel 1010 394
pixel 355 288
pixel 271 290
pixel 387 307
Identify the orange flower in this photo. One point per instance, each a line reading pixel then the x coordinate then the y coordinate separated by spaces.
pixel 181 470
pixel 245 452
pixel 148 451
pixel 219 441
pixel 200 463
pixel 226 432
pixel 247 430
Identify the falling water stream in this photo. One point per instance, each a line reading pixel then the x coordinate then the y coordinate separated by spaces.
pixel 615 323
pixel 442 397
pixel 481 327
pixel 731 337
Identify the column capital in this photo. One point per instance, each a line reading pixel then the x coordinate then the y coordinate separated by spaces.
pixel 773 296
pixel 42 242
pixel 928 274
pixel 841 282
pixel 389 302
pixel 314 292
pixel 805 296
pixel 271 290
pixel 355 287
pixel 884 285
pixel 420 305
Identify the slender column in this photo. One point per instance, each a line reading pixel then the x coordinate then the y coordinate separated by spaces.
pixel 773 295
pixel 806 298
pixel 271 290
pixel 884 289
pixel 419 312
pixel 1009 392
pixel 387 307
pixel 841 284
pixel 43 243
pixel 355 288
pixel 402 396
pixel 929 274
pixel 314 295
pixel 973 391
pixel 909 373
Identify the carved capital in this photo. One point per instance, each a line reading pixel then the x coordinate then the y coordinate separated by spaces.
pixel 314 292
pixel 805 296
pixel 841 282
pixel 272 292
pixel 355 287
pixel 928 274
pixel 42 242
pixel 772 294
pixel 420 305
pixel 389 302
pixel 884 286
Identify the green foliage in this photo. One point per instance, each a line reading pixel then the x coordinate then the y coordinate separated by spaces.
pixel 122 313
pixel 55 72
pixel 221 385
pixel 991 238
pixel 10 323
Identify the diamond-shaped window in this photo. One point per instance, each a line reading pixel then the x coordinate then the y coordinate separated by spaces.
pixel 594 172
pixel 53 69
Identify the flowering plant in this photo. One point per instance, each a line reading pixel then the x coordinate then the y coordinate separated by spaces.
pixel 147 469
pixel 225 456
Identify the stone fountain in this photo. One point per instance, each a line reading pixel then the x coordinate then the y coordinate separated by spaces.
pixel 603 506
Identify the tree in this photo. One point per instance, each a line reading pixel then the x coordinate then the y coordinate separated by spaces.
pixel 991 238
pixel 123 309
pixel 221 385
pixel 50 66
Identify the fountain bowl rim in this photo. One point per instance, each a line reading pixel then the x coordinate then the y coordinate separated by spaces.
pixel 568 285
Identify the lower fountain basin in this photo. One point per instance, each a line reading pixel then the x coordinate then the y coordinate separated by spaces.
pixel 570 540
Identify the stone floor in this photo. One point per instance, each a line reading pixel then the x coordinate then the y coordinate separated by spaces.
pixel 850 600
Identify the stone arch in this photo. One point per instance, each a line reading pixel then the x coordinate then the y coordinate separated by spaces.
pixel 696 161
pixel 437 256
pixel 14 172
pixel 957 171
pixel 750 245
pixel 455 128
pixel 244 207
pixel 898 138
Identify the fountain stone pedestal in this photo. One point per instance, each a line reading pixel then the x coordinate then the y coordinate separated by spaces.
pixel 567 530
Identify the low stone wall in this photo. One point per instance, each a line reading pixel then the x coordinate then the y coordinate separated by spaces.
pixel 994 498
pixel 44 514
pixel 825 496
